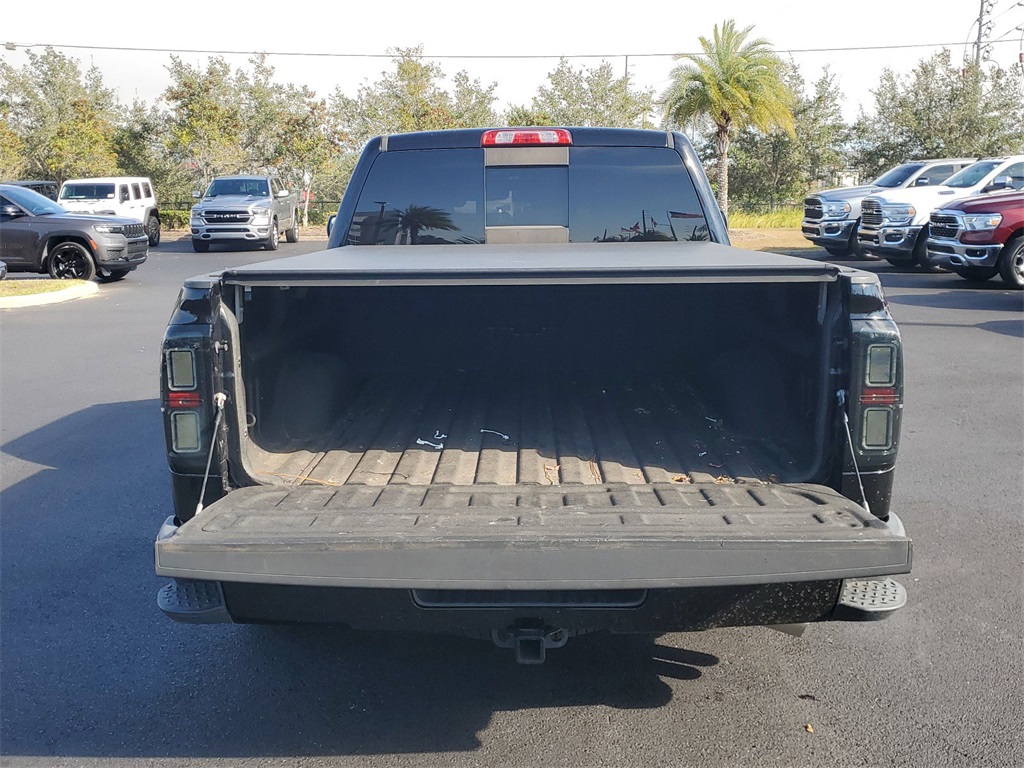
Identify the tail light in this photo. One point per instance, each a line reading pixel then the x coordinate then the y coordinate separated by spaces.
pixel 186 402
pixel 877 395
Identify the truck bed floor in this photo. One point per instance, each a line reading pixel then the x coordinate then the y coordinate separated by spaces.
pixel 539 430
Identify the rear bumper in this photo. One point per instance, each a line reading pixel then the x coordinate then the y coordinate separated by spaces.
pixel 948 253
pixel 478 613
pixel 828 234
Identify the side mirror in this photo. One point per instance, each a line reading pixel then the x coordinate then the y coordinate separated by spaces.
pixel 196 194
pixel 999 182
pixel 11 211
pixel 924 181
pixel 282 193
pixel 330 223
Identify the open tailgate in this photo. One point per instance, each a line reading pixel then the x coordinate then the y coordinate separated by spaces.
pixel 505 537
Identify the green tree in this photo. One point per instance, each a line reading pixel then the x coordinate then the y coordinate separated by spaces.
pixel 411 98
pixel 12 149
pixel 734 83
pixel 776 167
pixel 309 145
pixel 941 110
pixel 590 97
pixel 139 142
pixel 205 119
pixel 44 97
pixel 82 146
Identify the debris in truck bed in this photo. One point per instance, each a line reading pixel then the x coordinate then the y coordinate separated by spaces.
pixel 685 479
pixel 436 446
pixel 502 435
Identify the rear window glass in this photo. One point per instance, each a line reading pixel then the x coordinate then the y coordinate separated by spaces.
pixel 605 194
pixel 87 192
pixel 136 191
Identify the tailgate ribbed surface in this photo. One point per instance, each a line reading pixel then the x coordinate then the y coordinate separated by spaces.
pixel 603 537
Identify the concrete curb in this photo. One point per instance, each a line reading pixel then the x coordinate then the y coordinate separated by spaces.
pixel 79 290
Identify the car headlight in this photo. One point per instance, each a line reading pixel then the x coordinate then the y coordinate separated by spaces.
pixel 109 229
pixel 981 221
pixel 898 213
pixel 836 210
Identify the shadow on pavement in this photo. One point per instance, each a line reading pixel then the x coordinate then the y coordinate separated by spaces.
pixel 90 668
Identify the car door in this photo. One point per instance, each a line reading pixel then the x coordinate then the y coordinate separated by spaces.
pixel 19 237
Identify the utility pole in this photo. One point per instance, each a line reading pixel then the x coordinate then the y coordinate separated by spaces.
pixel 984 28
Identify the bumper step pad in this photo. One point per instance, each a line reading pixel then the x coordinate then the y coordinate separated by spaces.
pixel 194 602
pixel 870 599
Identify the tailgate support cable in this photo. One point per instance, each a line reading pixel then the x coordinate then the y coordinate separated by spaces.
pixel 219 399
pixel 841 396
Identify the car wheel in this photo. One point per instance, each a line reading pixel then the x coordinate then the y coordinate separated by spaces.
pixel 274 239
pixel 71 261
pixel 292 235
pixel 976 274
pixel 1011 263
pixel 920 257
pixel 153 230
pixel 111 275
pixel 200 246
pixel 837 252
pixel 897 262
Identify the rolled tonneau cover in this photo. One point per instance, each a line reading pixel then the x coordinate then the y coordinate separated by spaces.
pixel 572 262
pixel 565 537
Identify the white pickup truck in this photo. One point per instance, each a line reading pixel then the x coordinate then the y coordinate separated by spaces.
pixel 255 209
pixel 894 224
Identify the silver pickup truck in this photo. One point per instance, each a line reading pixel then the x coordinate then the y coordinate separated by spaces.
pixel 254 209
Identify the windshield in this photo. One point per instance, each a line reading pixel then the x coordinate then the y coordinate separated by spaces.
pixel 898 175
pixel 251 187
pixel 87 192
pixel 972 175
pixel 33 202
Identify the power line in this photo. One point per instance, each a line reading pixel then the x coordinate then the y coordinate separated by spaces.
pixel 10 46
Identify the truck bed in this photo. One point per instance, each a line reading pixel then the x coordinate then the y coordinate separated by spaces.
pixel 539 430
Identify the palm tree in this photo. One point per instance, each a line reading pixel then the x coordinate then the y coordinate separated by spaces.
pixel 416 218
pixel 734 83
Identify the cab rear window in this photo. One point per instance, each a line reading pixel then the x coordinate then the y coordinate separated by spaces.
pixel 604 194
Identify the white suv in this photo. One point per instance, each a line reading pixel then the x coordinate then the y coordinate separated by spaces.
pixel 128 196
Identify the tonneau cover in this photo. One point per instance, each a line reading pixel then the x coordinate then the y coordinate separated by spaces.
pixel 669 261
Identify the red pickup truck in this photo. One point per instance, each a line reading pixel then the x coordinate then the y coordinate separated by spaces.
pixel 979 236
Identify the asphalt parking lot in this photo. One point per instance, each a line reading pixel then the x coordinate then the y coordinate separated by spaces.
pixel 91 674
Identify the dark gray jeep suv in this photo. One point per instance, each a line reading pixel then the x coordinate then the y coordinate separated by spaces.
pixel 37 235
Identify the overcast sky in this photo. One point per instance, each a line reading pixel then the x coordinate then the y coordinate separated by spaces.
pixel 498 29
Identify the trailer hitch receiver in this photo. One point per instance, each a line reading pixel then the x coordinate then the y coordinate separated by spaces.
pixel 530 643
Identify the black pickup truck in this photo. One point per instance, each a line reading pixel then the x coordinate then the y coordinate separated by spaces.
pixel 579 409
